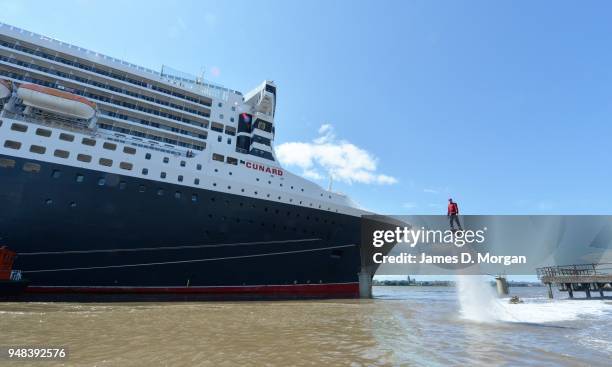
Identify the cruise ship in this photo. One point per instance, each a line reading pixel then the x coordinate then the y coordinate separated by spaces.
pixel 119 180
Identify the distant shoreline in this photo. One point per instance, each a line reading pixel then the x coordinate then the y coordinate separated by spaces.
pixel 441 283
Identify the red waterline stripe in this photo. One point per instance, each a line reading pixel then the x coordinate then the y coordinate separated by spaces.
pixel 323 289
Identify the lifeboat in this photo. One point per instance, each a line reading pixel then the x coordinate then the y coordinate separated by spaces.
pixel 57 101
pixel 5 89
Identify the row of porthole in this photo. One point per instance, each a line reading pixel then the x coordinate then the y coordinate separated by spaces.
pixel 108 163
pixel 56 173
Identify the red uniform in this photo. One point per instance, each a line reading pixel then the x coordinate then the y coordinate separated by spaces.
pixel 453 209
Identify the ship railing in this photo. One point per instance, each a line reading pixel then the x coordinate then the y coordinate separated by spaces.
pixel 47 120
pixel 574 270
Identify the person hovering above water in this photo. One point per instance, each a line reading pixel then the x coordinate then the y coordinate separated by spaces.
pixel 453 214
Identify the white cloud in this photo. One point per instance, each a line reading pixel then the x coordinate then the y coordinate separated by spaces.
pixel 327 156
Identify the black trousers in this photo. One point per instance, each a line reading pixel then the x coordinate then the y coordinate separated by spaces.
pixel 454 218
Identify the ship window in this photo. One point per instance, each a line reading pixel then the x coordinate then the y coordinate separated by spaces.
pixel 217 157
pixel 160 192
pixel 142 188
pixel 145 171
pixel 109 146
pixel 12 144
pixel 166 160
pixel 219 138
pixel 84 158
pixel 177 195
pixel 229 140
pixel 182 163
pixel 43 132
pixel 88 141
pixel 31 167
pixel 194 197
pixel 66 137
pixel 199 167
pixel 122 185
pixel 79 178
pixel 162 175
pixel 61 153
pixel 180 178
pixel 196 181
pixel 148 156
pixel 19 127
pixel 232 119
pixel 129 150
pixel 232 160
pixel 101 181
pixel 106 162
pixel 7 163
pixel 220 104
pixel 230 130
pixel 215 126
pixel 126 166
pixel 56 173
pixel 38 149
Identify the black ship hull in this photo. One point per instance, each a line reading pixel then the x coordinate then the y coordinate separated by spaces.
pixel 80 231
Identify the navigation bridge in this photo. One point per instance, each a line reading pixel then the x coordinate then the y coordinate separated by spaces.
pixel 580 277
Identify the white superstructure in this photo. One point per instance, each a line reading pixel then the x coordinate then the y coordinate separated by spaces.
pixel 133 121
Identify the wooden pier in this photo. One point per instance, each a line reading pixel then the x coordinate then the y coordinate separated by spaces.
pixel 586 278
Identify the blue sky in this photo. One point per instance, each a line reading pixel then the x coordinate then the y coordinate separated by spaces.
pixel 505 106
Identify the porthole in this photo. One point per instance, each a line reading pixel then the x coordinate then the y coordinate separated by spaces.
pixel 109 146
pixel 19 127
pixel 194 198
pixel 7 163
pixel 166 160
pixel 148 156
pixel 88 141
pixel 12 144
pixel 122 185
pixel 183 163
pixel 61 153
pixel 66 137
pixel 31 167
pixel 145 171
pixel 180 178
pixel 101 181
pixel 160 192
pixel 56 173
pixel 79 178
pixel 126 166
pixel 229 187
pixel 199 167
pixel 196 181
pixel 38 149
pixel 162 175
pixel 48 201
pixel 43 132
pixel 105 162
pixel 177 195
pixel 214 184
pixel 84 158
